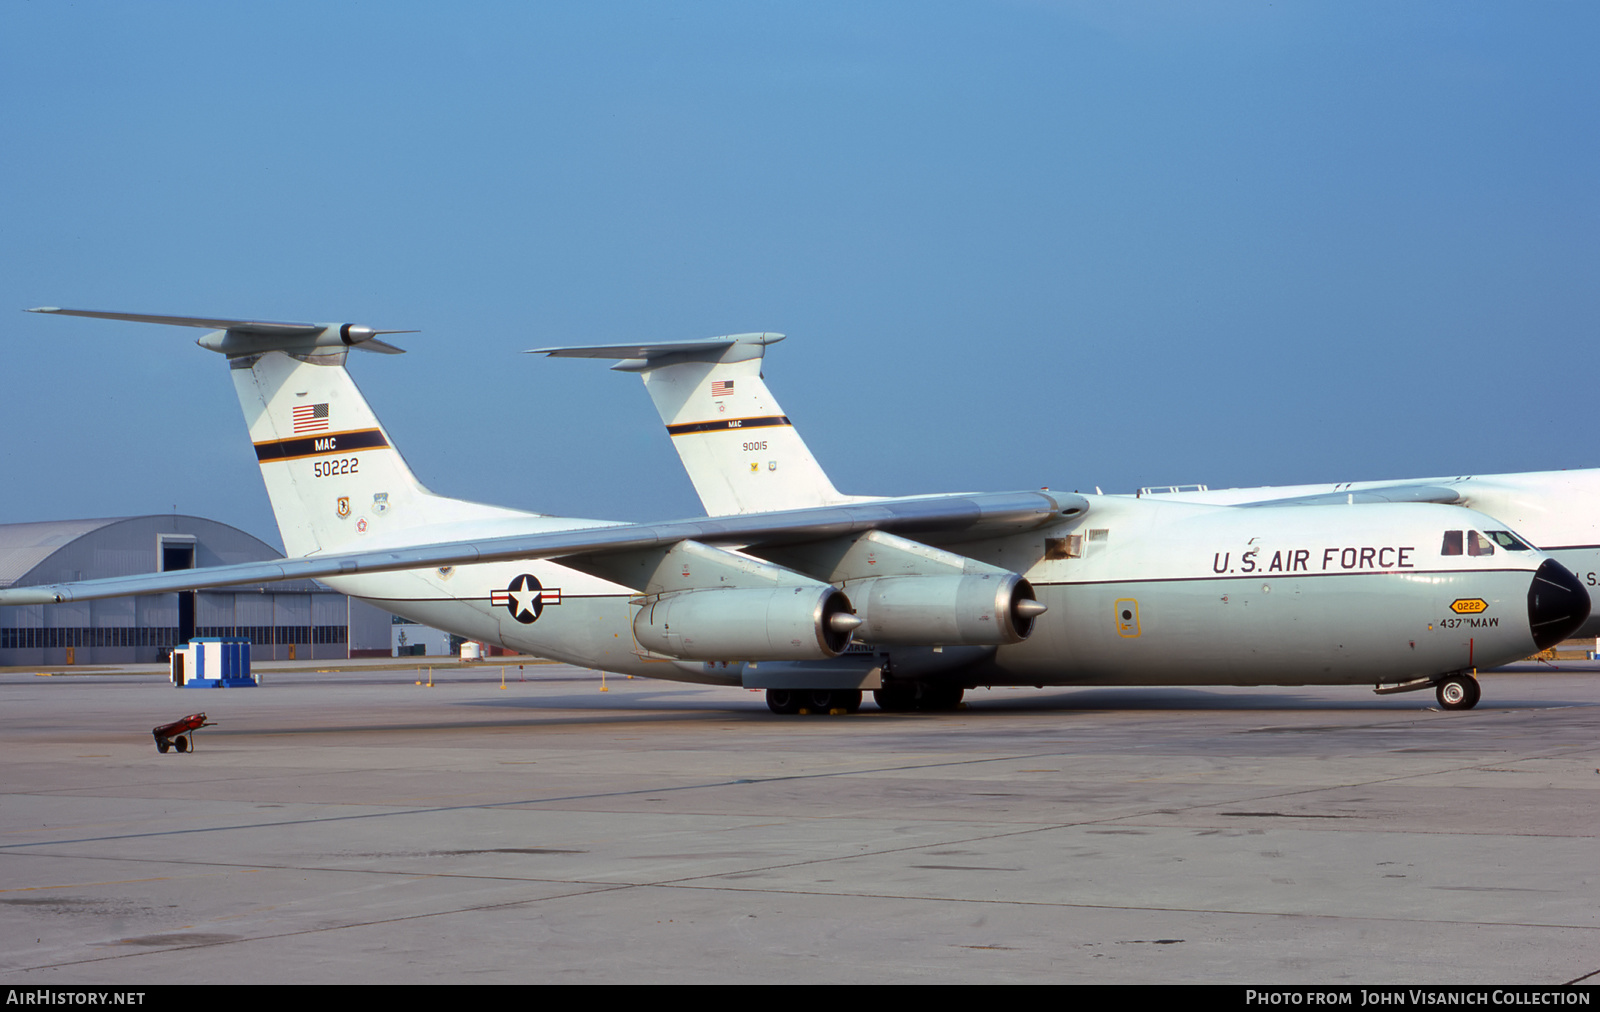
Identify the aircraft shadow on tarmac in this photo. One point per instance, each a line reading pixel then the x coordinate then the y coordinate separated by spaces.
pixel 671 704
pixel 982 703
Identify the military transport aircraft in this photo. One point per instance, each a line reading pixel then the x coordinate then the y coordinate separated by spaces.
pixel 1554 510
pixel 1557 511
pixel 916 598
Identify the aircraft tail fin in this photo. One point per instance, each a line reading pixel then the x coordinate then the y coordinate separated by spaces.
pixel 741 451
pixel 331 471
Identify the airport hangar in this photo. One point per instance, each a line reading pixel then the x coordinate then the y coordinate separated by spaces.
pixel 298 619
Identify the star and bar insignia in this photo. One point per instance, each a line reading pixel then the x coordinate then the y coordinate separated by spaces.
pixel 525 599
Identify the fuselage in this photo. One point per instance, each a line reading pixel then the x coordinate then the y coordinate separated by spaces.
pixel 1556 511
pixel 1139 591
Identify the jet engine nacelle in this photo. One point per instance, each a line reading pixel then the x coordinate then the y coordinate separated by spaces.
pixel 988 609
pixel 759 624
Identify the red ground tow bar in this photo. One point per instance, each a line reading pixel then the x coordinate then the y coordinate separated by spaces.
pixel 172 735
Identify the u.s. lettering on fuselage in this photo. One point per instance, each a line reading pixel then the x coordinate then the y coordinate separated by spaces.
pixel 1306 560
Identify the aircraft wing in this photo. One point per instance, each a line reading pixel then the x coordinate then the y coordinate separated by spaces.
pixel 976 515
pixel 1386 494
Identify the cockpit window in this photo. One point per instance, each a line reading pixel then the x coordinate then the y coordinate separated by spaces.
pixel 1452 543
pixel 1477 544
pixel 1510 542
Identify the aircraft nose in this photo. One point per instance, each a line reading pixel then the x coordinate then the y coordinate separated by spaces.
pixel 1557 604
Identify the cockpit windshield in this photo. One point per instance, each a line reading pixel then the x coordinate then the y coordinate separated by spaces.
pixel 1510 542
pixel 1474 543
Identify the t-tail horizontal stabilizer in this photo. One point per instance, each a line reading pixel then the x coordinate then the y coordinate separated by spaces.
pixel 653 355
pixel 330 468
pixel 250 337
pixel 741 451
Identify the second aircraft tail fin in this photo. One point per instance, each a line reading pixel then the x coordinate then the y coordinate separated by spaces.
pixel 741 451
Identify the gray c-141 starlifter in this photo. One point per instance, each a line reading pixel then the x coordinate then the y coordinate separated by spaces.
pixel 824 595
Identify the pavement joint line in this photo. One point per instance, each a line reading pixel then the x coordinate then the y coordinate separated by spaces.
pixel 155 950
pixel 743 781
pixel 1147 908
pixel 689 881
pixel 435 810
pixel 662 849
pixel 617 887
pixel 705 882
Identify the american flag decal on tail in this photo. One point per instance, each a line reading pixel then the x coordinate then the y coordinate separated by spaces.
pixel 310 418
pixel 721 388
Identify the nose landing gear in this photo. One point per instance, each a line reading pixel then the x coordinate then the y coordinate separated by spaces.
pixel 1458 692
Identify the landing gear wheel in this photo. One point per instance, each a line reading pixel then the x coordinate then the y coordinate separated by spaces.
pixel 163 747
pixel 783 701
pixel 829 700
pixel 181 743
pixel 937 698
pixel 1459 692
pixel 928 698
pixel 895 699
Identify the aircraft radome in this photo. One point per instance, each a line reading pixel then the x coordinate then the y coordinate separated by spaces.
pixel 816 596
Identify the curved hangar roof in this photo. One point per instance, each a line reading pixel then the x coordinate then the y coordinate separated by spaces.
pixel 51 551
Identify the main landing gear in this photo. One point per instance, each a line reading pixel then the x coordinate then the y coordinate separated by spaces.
pixel 921 697
pixel 832 701
pixel 924 696
pixel 1458 692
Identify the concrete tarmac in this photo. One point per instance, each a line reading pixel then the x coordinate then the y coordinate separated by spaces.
pixel 350 826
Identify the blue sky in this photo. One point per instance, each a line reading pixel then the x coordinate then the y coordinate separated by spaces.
pixel 1012 244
